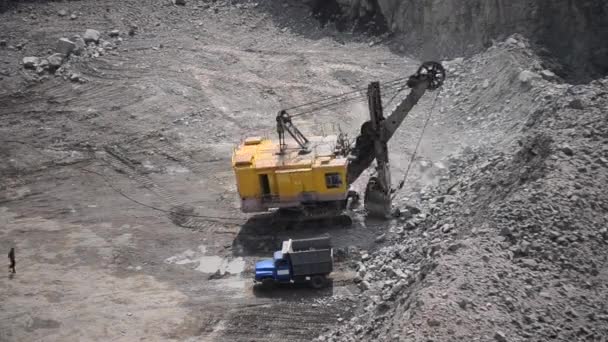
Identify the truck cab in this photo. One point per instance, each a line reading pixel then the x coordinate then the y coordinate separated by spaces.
pixel 275 269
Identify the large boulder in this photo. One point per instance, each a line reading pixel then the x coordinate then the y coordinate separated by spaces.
pixel 55 60
pixel 79 44
pixel 31 62
pixel 527 76
pixel 91 35
pixel 65 46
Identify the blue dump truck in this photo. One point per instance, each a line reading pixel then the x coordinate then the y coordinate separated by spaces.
pixel 298 261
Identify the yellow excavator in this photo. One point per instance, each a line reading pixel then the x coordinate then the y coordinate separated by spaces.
pixel 310 177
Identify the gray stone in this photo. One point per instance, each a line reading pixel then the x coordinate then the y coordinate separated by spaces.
pixel 464 303
pixel 500 336
pixel 527 76
pixel 576 104
pixel 433 322
pixel 55 60
pixel 529 263
pixel 91 35
pixel 65 46
pixel 31 62
pixel 79 44
pixel 506 231
pixel 446 228
pixel 179 2
pixel 62 13
pixel 511 41
pixel 75 77
pixel 397 289
pixel 380 238
pixel 567 150
pixel 73 16
pixel 42 66
pixel 548 75
pixel 107 45
pixel 364 285
pixel 485 84
pixel 455 246
pixel 44 63
pixel 114 33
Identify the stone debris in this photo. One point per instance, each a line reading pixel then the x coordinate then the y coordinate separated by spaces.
pixel 55 60
pixel 548 75
pixel 31 62
pixel 512 236
pixel 91 35
pixel 65 46
pixel 79 45
pixel 500 336
pixel 527 76
pixel 90 45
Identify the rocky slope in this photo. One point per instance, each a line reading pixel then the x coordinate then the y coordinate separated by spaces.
pixel 512 245
pixel 573 31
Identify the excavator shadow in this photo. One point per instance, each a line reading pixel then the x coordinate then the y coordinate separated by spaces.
pixel 263 234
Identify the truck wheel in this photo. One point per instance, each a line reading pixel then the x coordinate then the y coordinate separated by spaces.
pixel 317 282
pixel 268 283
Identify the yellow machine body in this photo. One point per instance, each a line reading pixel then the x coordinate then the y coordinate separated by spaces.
pixel 267 177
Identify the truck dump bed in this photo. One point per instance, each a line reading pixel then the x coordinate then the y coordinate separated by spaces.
pixel 311 262
pixel 322 242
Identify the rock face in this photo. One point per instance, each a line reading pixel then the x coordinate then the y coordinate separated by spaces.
pixel 573 31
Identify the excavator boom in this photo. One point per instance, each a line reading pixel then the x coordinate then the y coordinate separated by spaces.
pixel 372 142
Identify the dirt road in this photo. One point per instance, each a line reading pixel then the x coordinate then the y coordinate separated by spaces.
pixel 92 170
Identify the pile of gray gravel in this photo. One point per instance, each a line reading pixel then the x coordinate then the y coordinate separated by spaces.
pixel 512 243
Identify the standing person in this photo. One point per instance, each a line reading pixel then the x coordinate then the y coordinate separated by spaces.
pixel 11 257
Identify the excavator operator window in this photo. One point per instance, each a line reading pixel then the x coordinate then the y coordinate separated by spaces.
pixel 333 180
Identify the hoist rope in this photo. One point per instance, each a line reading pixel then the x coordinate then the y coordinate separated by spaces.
pixel 341 99
pixel 409 165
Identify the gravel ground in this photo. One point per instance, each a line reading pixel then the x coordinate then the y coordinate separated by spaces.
pixel 102 148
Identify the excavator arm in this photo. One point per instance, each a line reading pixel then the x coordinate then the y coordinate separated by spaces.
pixel 372 141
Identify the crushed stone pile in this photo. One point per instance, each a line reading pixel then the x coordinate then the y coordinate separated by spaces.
pixel 511 245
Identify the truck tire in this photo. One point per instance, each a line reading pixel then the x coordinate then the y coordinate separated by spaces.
pixel 317 281
pixel 268 283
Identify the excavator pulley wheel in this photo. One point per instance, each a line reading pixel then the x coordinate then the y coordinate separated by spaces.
pixel 433 72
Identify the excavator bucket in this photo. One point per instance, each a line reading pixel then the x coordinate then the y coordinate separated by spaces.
pixel 377 201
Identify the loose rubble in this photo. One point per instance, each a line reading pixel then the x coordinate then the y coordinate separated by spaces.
pixel 514 236
pixel 89 45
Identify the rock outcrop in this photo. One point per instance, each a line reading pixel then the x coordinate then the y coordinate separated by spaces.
pixel 573 31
